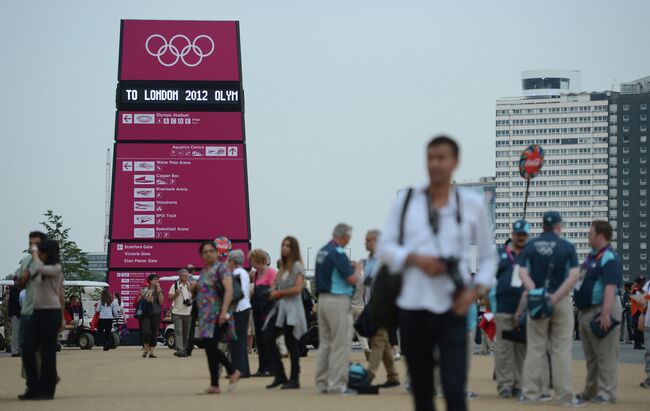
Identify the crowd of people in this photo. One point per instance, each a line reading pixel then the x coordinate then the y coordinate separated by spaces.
pixel 534 290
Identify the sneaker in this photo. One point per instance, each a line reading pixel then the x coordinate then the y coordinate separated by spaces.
pixel 545 398
pixel 408 388
pixel 523 400
pixel 348 392
pixel 575 402
pixel 291 385
pixel 599 399
pixel 323 391
pixel 505 393
pixel 471 395
pixel 390 384
pixel 397 356
pixel 516 392
pixel 645 384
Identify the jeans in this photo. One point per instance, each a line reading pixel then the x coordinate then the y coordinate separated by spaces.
pixel 422 331
pixel 239 347
pixel 270 336
pixel 105 329
pixel 42 334
pixel 216 356
pixel 181 331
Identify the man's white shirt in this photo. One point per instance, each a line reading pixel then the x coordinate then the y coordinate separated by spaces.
pixel 419 290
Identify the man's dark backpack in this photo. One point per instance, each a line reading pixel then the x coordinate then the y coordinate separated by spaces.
pixel 387 286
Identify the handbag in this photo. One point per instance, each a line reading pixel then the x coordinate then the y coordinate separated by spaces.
pixel 597 331
pixel 143 309
pixel 364 325
pixel 539 302
pixel 387 286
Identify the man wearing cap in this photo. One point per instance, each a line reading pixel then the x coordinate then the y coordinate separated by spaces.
pixel 596 297
pixel 509 355
pixel 550 262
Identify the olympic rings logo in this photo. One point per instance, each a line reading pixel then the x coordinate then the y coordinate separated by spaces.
pixel 168 47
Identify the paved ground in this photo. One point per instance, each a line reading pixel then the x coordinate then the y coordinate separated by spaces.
pixel 122 380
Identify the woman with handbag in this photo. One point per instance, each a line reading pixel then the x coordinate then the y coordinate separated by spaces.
pixel 288 315
pixel 214 295
pixel 150 301
pixel 263 281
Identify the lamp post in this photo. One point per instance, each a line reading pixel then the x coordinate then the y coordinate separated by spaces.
pixel 308 251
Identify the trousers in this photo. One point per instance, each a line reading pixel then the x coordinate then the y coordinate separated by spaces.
pixel 423 331
pixel 553 335
pixel 239 347
pixel 216 357
pixel 335 339
pixel 42 334
pixel 270 340
pixel 381 351
pixel 601 355
pixel 508 355
pixel 181 331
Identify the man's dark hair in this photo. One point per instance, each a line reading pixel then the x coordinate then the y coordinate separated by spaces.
pixel 442 140
pixel 604 228
pixel 38 234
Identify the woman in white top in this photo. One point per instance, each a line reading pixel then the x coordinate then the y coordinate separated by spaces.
pixel 107 309
pixel 239 347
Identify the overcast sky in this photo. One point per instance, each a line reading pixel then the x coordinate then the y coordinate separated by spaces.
pixel 341 97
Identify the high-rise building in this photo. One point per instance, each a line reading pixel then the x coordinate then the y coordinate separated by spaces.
pixel 98 263
pixel 628 147
pixel 572 128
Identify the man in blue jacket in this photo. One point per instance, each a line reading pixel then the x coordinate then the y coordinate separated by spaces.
pixel 336 277
pixel 508 355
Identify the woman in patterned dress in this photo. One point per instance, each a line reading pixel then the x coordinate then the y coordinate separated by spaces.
pixel 214 292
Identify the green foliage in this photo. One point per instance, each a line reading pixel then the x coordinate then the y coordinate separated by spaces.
pixel 73 259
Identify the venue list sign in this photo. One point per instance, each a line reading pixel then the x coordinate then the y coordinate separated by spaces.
pixel 179 167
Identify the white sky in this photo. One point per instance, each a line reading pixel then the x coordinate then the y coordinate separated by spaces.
pixel 340 99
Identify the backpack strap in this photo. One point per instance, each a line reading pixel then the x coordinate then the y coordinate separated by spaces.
pixel 407 200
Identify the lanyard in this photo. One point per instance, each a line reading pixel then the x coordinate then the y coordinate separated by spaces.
pixel 591 258
pixel 509 253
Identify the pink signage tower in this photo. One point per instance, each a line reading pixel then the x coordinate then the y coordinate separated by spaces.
pixel 179 167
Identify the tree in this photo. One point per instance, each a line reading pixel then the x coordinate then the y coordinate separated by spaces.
pixel 73 259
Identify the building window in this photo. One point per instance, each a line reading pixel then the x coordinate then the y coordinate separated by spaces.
pixel 626 193
pixel 626 181
pixel 644 256
pixel 644 106
pixel 643 267
pixel 626 256
pixel 644 117
pixel 626 224
pixel 643 170
pixel 643 139
pixel 643 234
pixel 626 107
pixel 644 246
pixel 626 129
pixel 626 267
pixel 626 118
pixel 626 214
pixel 626 234
pixel 626 246
pixel 643 127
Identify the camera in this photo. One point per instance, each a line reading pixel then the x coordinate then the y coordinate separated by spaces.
pixel 266 293
pixel 187 302
pixel 452 264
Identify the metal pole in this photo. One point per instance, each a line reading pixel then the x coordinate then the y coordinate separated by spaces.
pixel 526 200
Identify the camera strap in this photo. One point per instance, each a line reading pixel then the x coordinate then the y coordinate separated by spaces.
pixel 434 220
